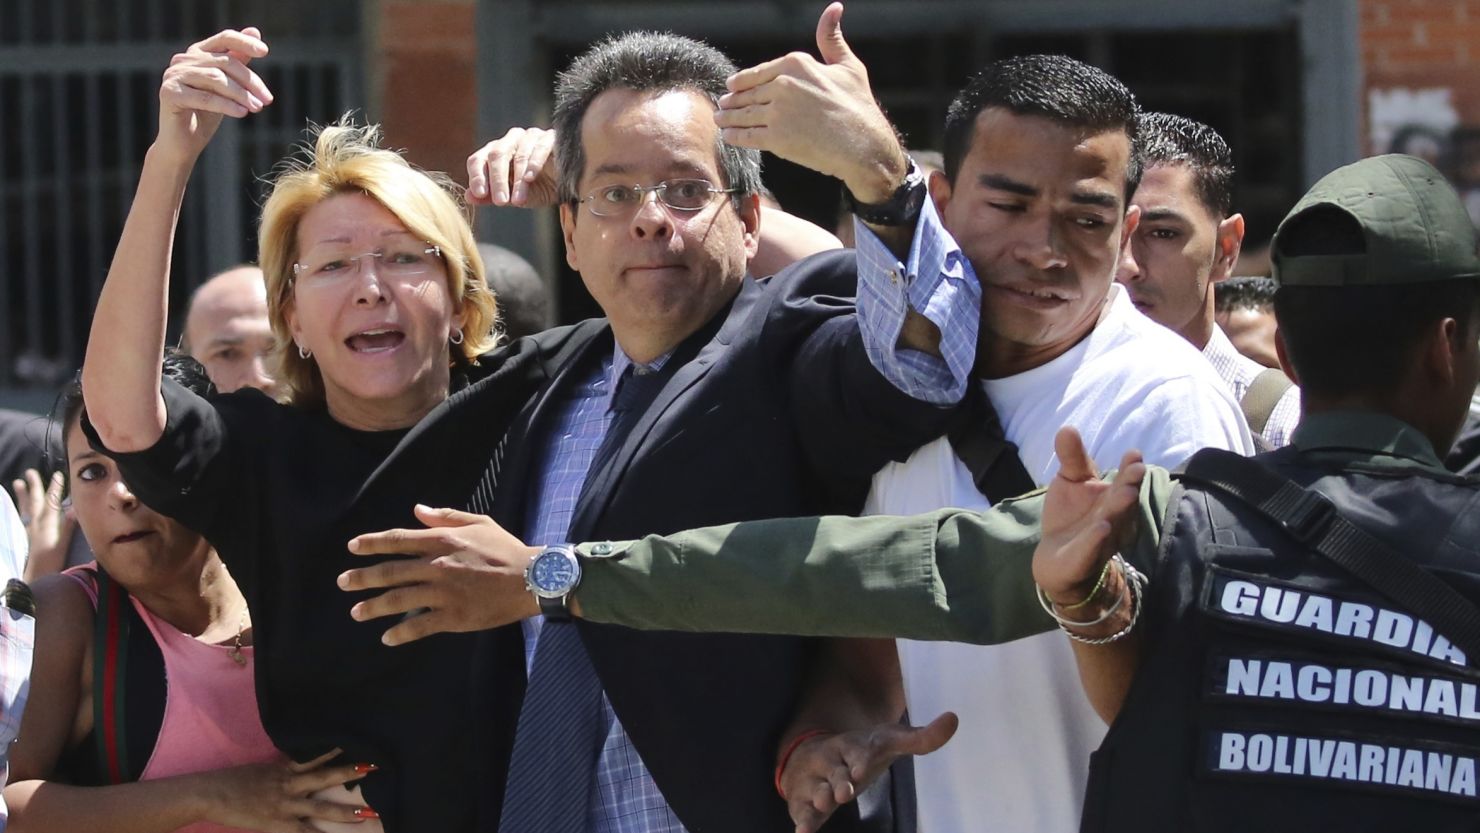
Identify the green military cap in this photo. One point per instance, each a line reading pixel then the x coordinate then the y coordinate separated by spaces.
pixel 1414 227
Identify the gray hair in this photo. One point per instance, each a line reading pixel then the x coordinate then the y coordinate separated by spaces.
pixel 645 62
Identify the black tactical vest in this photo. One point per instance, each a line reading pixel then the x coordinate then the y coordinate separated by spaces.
pixel 1278 693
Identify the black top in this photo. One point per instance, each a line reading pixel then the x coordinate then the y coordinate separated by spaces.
pixel 279 491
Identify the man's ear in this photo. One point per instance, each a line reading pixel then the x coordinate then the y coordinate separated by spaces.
pixel 1128 228
pixel 939 187
pixel 1284 357
pixel 1229 243
pixel 568 231
pixel 749 210
pixel 1441 351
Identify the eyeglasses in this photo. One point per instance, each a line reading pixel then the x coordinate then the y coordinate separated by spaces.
pixel 392 263
pixel 687 195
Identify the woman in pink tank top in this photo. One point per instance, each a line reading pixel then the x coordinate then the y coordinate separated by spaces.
pixel 157 600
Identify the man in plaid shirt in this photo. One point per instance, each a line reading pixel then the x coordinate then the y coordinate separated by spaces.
pixel 17 633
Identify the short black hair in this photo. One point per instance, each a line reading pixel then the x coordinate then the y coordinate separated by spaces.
pixel 1168 139
pixel 645 62
pixel 1345 340
pixel 1055 87
pixel 1245 292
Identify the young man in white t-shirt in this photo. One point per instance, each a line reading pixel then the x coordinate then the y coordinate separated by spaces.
pixel 1039 167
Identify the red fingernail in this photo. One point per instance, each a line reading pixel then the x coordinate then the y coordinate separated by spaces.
pixel 366 813
pixel 364 769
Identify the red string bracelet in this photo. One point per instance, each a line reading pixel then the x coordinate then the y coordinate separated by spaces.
pixel 792 747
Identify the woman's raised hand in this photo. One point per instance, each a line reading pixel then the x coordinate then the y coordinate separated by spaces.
pixel 210 80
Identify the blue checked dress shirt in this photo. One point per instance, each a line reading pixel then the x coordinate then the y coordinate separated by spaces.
pixel 17 639
pixel 626 799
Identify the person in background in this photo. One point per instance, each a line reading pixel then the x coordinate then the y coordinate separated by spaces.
pixel 523 296
pixel 1187 243
pixel 1243 308
pixel 17 637
pixel 228 332
pixel 146 719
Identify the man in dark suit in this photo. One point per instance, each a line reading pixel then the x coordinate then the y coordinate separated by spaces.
pixel 701 397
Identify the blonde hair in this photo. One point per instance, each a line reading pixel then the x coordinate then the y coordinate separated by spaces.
pixel 348 158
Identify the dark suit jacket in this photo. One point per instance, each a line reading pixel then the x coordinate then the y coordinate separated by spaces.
pixel 778 413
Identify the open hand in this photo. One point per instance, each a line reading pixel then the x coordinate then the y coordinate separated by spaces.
pixel 1085 519
pixel 49 526
pixel 828 771
pixel 467 575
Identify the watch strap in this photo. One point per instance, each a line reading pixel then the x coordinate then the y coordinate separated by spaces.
pixel 557 609
pixel 903 206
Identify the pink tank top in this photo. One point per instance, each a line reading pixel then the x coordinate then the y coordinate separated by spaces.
pixel 210 712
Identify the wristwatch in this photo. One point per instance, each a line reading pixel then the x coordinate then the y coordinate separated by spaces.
pixel 901 209
pixel 552 576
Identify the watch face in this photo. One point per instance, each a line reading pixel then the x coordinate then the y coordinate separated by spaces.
pixel 553 572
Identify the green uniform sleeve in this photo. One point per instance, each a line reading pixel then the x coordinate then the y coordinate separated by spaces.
pixel 950 575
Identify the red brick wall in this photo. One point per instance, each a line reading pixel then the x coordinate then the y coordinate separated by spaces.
pixel 426 56
pixel 1420 44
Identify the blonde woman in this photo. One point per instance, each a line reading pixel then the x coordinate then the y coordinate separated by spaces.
pixel 377 300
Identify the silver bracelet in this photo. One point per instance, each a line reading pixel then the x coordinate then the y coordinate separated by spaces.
pixel 1137 580
pixel 1048 604
pixel 1131 576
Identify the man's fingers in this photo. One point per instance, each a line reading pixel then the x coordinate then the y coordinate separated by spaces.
pixel 745 98
pixel 746 137
pixel 394 602
pixel 425 542
pixel 932 736
pixel 478 173
pixel 759 74
pixel 419 626
pixel 841 784
pixel 1075 464
pixel 830 43
pixel 387 574
pixel 442 517
pixel 755 115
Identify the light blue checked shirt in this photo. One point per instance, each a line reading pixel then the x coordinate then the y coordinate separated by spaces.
pixel 17 639
pixel 934 280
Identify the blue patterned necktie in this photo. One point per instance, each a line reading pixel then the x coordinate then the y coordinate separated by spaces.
pixel 561 729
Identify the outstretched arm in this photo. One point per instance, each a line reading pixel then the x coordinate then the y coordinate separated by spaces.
pixel 1085 522
pixel 120 374
pixel 952 575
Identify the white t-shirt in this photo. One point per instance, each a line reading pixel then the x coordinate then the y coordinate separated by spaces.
pixel 1020 758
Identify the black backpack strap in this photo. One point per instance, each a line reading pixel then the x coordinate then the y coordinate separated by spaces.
pixel 978 440
pixel 1312 519
pixel 1264 393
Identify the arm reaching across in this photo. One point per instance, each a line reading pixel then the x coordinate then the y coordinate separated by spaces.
pixel 1086 521
pixel 952 575
pixel 120 374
